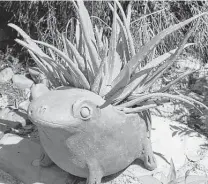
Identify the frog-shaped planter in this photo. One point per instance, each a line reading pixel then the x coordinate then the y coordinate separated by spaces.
pixel 87 141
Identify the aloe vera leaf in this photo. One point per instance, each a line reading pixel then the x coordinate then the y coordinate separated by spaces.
pixel 53 78
pixel 76 70
pixel 131 43
pixel 79 58
pixel 124 44
pixel 112 49
pixel 81 43
pixel 133 84
pixel 26 37
pixel 63 80
pixel 110 99
pixel 61 69
pixel 47 60
pixel 165 88
pixel 43 68
pixel 155 62
pixel 118 65
pixel 124 33
pixel 133 63
pixel 118 86
pixel 129 12
pixel 52 54
pixel 96 85
pixel 84 19
pixel 67 51
pixel 28 46
pixel 88 33
pixel 77 33
pixel 98 39
pixel 159 72
pixel 183 98
pixel 138 58
pixel 122 94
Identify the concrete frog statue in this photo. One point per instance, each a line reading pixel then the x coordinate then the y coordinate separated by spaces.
pixel 87 141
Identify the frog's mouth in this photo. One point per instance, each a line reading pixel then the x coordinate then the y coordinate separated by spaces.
pixel 69 126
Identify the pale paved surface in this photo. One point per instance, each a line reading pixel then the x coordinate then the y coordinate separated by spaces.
pixel 16 155
pixel 169 140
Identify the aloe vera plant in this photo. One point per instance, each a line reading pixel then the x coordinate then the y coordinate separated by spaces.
pixel 109 67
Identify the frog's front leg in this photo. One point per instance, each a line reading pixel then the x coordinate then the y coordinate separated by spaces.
pixel 95 172
pixel 44 160
pixel 148 156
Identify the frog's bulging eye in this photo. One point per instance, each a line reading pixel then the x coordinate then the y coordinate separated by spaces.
pixel 85 109
pixel 85 113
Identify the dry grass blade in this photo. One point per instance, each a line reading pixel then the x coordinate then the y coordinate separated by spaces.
pixel 176 80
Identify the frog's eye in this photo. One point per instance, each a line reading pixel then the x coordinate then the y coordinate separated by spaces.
pixel 85 112
pixel 84 109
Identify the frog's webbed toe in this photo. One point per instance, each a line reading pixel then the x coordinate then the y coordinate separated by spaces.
pixel 95 172
pixel 43 161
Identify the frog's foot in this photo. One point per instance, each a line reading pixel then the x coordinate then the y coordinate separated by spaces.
pixel 148 157
pixel 95 172
pixel 43 161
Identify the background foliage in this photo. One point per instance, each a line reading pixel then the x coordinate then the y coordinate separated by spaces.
pixel 44 19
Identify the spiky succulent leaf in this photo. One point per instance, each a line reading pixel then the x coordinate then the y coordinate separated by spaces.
pixel 72 66
pixel 112 49
pixel 138 58
pixel 88 33
pixel 181 97
pixel 126 24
